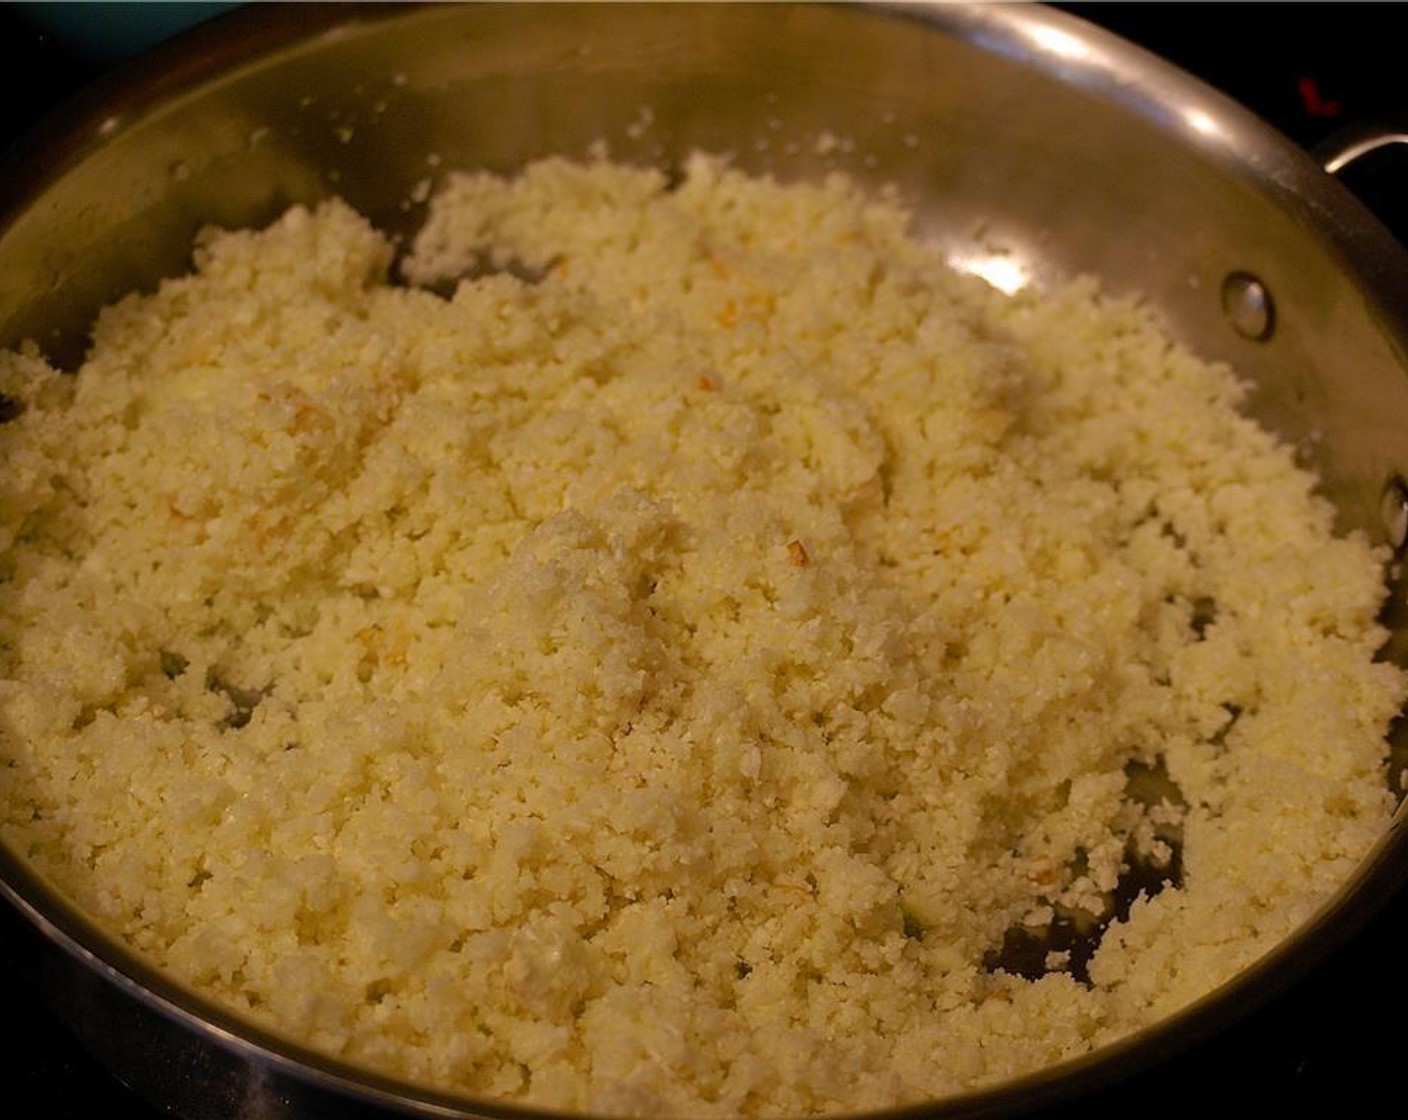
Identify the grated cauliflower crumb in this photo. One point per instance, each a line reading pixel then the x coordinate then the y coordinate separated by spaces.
pixel 677 672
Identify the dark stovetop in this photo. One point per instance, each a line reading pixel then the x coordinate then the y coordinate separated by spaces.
pixel 1327 1042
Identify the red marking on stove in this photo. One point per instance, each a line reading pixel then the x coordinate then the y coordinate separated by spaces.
pixel 1315 104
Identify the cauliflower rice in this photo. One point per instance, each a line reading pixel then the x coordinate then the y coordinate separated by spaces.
pixel 669 674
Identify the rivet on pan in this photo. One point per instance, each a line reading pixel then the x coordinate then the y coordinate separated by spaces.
pixel 1393 508
pixel 1248 306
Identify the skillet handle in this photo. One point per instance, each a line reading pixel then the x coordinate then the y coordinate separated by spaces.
pixel 1353 142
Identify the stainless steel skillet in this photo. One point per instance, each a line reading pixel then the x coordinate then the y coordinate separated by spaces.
pixel 1031 142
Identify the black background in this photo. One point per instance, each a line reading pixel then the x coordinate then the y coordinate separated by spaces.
pixel 1331 1042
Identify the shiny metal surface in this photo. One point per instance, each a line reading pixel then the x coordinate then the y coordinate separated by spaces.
pixel 1346 148
pixel 1249 308
pixel 1028 143
pixel 1395 512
